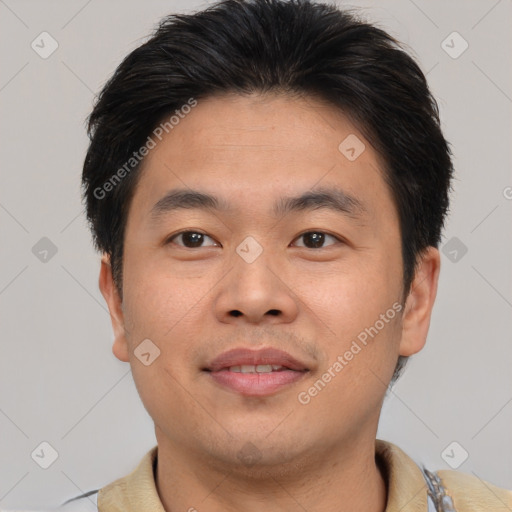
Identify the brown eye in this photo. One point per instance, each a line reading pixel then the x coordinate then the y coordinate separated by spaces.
pixel 191 239
pixel 315 239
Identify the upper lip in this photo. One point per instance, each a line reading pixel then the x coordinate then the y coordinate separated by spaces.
pixel 245 356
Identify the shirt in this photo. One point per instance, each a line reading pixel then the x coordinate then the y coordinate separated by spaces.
pixel 409 488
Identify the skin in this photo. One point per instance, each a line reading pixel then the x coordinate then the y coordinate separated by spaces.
pixel 311 302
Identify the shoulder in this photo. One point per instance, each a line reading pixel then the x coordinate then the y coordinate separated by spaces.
pixel 87 502
pixel 473 494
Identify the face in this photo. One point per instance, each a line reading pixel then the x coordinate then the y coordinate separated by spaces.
pixel 272 308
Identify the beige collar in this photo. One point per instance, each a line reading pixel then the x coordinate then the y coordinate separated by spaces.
pixel 136 492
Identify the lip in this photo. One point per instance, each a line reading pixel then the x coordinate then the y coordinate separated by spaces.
pixel 244 356
pixel 256 384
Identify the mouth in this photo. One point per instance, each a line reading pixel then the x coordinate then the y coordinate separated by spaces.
pixel 256 372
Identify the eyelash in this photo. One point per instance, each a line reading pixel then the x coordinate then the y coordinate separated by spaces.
pixel 176 235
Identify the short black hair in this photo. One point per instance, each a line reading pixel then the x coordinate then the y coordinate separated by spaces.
pixel 283 46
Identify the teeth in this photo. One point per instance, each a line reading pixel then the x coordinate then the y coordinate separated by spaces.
pixel 264 368
pixel 251 368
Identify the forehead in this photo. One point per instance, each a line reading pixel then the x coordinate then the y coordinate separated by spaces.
pixel 250 150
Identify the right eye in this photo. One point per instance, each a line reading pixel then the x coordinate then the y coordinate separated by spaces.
pixel 190 239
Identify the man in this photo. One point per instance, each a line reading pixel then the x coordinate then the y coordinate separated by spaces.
pixel 268 181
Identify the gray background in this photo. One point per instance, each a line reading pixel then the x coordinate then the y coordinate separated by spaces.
pixel 59 381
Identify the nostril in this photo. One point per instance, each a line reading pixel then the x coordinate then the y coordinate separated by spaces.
pixel 235 312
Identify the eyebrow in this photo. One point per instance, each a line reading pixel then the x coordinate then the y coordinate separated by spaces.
pixel 330 198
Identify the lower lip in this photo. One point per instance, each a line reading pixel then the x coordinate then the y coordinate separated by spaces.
pixel 256 384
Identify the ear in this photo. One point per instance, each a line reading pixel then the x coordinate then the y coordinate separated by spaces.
pixel 419 303
pixel 111 295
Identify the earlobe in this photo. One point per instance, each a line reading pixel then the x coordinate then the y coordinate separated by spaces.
pixel 420 302
pixel 114 303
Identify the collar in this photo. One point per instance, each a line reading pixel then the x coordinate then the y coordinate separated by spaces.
pixel 407 489
pixel 136 492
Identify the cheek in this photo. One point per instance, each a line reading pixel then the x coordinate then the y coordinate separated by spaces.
pixel 358 317
pixel 157 302
pixel 360 359
pixel 163 389
pixel 162 308
pixel 352 297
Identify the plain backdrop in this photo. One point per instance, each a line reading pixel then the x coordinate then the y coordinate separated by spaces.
pixel 59 381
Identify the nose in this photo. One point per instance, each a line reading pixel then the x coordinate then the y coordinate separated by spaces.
pixel 255 293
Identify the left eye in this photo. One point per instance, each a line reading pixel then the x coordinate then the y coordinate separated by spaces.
pixel 315 239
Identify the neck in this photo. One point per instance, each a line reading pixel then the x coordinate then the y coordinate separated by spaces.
pixel 344 480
